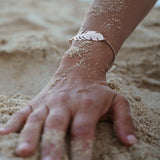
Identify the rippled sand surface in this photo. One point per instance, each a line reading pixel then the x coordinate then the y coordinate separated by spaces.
pixel 33 37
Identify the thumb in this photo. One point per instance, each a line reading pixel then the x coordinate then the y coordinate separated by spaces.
pixel 122 120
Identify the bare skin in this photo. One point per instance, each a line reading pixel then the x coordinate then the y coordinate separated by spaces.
pixel 77 95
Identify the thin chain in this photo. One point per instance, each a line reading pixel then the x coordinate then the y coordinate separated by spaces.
pixel 93 36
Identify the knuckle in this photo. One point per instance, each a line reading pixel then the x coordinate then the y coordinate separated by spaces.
pixel 61 97
pixel 58 121
pixel 19 113
pixel 24 111
pixel 88 102
pixel 35 117
pixel 82 130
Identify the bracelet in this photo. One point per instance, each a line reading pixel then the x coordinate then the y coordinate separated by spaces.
pixel 93 36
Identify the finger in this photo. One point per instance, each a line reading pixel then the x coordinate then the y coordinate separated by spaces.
pixel 83 132
pixel 30 134
pixel 123 123
pixel 17 121
pixel 53 137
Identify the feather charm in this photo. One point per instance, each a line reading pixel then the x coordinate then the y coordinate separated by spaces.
pixel 89 35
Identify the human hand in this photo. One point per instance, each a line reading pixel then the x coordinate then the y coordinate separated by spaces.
pixel 69 99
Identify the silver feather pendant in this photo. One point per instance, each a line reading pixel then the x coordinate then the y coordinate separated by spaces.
pixel 89 35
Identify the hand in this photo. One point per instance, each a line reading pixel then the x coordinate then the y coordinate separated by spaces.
pixel 70 100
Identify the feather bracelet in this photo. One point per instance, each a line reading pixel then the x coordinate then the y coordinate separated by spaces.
pixel 93 36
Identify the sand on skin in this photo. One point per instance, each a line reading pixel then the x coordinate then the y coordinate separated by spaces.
pixel 33 37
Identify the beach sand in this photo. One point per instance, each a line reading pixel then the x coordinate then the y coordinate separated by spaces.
pixel 34 35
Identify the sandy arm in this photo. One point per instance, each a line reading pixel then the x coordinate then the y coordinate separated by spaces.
pixel 115 20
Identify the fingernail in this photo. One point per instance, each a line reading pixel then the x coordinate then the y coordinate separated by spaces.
pixel 47 158
pixel 132 139
pixel 23 146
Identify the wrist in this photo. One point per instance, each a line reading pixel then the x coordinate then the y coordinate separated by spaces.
pixel 88 56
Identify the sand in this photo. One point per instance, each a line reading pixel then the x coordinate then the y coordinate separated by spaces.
pixel 33 37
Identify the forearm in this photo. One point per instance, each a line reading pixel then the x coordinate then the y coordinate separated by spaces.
pixel 115 20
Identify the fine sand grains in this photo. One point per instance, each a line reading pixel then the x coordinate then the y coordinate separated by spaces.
pixel 33 38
